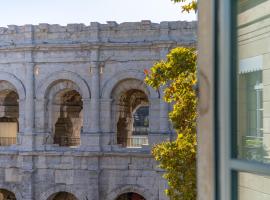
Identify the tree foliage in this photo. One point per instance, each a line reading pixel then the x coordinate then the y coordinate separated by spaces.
pixel 188 5
pixel 178 158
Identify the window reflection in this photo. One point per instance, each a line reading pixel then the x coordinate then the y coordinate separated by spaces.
pixel 254 80
pixel 253 186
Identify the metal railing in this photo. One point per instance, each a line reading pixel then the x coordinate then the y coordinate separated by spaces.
pixel 253 148
pixel 133 142
pixel 67 141
pixel 7 141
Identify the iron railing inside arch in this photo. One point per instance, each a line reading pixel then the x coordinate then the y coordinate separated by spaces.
pixel 7 141
pixel 67 141
pixel 135 141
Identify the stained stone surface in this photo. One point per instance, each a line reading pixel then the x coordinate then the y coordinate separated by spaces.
pixel 99 62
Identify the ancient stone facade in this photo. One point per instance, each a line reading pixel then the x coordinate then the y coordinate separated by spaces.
pixel 76 119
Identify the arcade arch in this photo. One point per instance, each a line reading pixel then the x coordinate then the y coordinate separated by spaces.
pixel 9 114
pixel 131 113
pixel 62 196
pixel 7 195
pixel 130 196
pixel 64 113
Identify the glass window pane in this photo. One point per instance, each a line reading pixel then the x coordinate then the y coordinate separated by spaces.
pixel 253 82
pixel 253 186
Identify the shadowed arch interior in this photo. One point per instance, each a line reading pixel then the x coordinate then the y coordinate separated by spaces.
pixel 9 114
pixel 7 195
pixel 130 196
pixel 67 117
pixel 64 112
pixel 131 113
pixel 62 196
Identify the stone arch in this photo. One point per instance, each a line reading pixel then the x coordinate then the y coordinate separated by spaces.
pixel 63 112
pixel 59 76
pixel 127 95
pixel 62 196
pixel 116 192
pixel 5 85
pixel 129 84
pixel 60 86
pixel 11 120
pixel 12 189
pixel 60 188
pixel 14 81
pixel 126 75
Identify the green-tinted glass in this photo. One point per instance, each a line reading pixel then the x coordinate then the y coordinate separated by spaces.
pixel 253 80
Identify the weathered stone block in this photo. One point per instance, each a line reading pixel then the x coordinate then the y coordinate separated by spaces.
pixel 64 176
pixel 13 175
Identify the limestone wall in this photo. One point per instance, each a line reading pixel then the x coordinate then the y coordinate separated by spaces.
pixel 144 31
pixel 39 61
pixel 253 44
pixel 87 176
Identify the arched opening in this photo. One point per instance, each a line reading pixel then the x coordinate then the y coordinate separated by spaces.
pixel 130 196
pixel 9 114
pixel 67 117
pixel 7 195
pixel 132 118
pixel 62 196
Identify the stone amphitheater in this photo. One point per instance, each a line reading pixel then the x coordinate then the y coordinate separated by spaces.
pixel 77 121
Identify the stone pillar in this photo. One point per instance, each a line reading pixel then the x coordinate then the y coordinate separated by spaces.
pixel 155 136
pixel 21 115
pixel 106 123
pixel 164 112
pixel 27 137
pixel 43 135
pixel 40 115
pixel 159 112
pixel 95 104
pixel 29 103
pixel 90 139
pixel 86 115
pixel 164 107
pixel 106 115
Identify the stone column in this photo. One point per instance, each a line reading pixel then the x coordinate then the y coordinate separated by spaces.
pixel 29 103
pixel 164 112
pixel 106 115
pixel 29 84
pixel 90 139
pixel 95 104
pixel 86 115
pixel 106 122
pixel 164 107
pixel 27 137
pixel 21 115
pixel 40 115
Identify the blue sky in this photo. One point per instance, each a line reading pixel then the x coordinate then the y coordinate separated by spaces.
pixel 62 12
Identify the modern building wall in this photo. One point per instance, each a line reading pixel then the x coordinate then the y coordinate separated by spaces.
pixel 254 54
pixel 99 62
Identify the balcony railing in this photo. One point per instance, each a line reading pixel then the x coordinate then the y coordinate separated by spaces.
pixel 253 148
pixel 67 141
pixel 7 141
pixel 133 142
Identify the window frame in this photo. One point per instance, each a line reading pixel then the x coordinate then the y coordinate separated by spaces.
pixel 228 165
